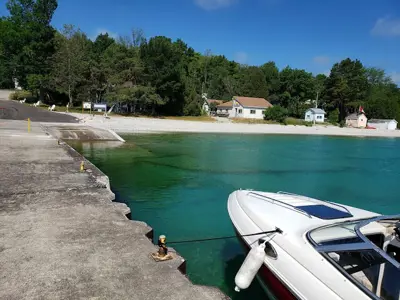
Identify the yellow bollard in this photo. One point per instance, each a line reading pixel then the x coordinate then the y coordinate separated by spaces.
pixel 163 250
pixel 29 125
pixel 82 167
pixel 162 253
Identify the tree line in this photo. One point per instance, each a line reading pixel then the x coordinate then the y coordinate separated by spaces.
pixel 166 77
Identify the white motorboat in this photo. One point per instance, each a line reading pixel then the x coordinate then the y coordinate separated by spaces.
pixel 320 250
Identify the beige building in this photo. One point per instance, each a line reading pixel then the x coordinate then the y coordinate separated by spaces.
pixel 225 109
pixel 356 120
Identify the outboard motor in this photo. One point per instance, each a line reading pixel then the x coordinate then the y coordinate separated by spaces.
pixel 250 267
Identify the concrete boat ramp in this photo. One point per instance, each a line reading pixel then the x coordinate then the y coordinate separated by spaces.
pixel 61 234
pixel 80 132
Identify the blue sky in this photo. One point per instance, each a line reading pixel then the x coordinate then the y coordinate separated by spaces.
pixel 309 34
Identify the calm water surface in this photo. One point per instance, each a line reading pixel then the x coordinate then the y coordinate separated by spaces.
pixel 179 184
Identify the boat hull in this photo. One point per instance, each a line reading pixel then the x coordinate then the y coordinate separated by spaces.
pixel 267 278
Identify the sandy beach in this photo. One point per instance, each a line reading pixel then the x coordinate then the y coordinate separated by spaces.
pixel 126 125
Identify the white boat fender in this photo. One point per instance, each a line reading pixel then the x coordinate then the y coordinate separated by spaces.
pixel 253 262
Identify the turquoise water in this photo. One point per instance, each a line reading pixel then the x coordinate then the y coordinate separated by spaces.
pixel 179 184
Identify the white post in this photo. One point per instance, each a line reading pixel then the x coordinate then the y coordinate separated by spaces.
pixel 316 106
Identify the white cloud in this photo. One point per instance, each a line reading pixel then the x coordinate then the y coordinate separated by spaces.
pixel 103 31
pixel 241 57
pixel 321 60
pixel 395 77
pixel 387 26
pixel 214 4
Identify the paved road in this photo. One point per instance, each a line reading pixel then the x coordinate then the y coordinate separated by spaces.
pixel 13 110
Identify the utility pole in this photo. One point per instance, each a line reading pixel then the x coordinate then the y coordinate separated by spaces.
pixel 316 105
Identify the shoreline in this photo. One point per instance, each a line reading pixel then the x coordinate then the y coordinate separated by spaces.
pixel 137 125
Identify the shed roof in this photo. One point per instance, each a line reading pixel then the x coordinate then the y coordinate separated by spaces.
pixel 381 120
pixel 354 116
pixel 253 102
pixel 316 111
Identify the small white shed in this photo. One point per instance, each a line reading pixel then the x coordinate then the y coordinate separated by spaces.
pixel 315 114
pixel 383 124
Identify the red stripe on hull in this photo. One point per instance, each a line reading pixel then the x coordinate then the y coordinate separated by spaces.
pixel 274 285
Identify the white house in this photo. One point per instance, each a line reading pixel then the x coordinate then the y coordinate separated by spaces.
pixel 315 114
pixel 383 124
pixel 16 84
pixel 249 108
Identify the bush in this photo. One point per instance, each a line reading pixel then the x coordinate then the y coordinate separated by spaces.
pixel 20 95
pixel 297 122
pixel 300 122
pixel 276 113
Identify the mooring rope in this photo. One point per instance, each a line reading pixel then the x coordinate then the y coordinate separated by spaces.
pixel 277 230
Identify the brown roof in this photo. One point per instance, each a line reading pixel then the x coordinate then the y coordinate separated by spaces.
pixel 218 102
pixel 253 102
pixel 226 104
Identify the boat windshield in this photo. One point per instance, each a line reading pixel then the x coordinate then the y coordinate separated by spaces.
pixel 365 251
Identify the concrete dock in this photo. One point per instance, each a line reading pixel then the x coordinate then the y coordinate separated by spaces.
pixel 62 237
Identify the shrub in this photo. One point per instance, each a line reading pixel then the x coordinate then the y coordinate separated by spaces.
pixel 276 113
pixel 297 122
pixel 20 95
pixel 334 116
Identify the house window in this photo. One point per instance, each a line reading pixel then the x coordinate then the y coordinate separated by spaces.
pixel 253 112
pixel 308 116
pixel 361 120
pixel 240 111
pixel 319 117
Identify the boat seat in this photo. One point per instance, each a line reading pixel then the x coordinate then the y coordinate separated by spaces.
pixel 368 277
pixel 363 279
pixel 359 276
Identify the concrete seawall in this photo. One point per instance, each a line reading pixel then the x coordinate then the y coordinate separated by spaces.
pixel 62 237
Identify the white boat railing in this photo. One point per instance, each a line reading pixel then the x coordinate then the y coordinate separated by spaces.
pixel 311 199
pixel 284 203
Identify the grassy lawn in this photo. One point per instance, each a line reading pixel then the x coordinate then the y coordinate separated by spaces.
pixel 252 121
pixel 300 122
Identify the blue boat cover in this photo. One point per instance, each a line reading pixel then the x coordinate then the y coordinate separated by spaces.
pixel 325 212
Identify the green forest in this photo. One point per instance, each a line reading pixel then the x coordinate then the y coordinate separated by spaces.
pixel 157 75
